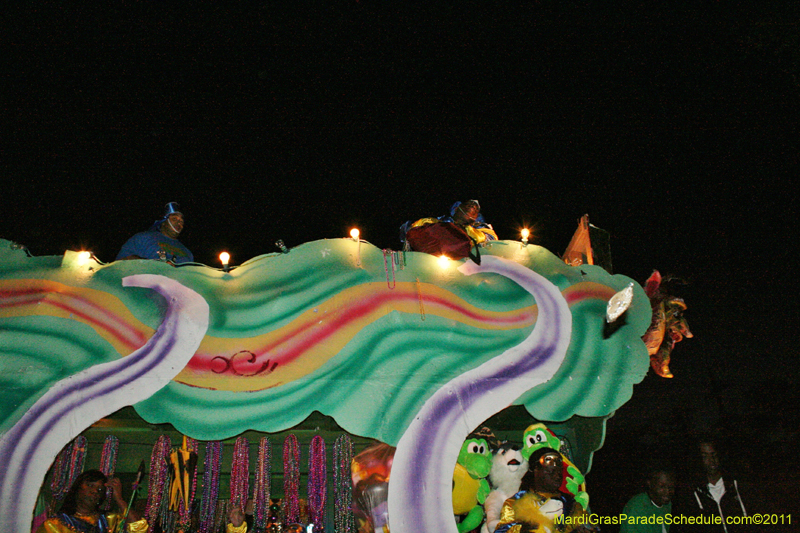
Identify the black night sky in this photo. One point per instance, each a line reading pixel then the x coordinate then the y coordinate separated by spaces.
pixel 673 127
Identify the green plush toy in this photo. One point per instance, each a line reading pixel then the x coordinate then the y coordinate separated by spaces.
pixel 470 487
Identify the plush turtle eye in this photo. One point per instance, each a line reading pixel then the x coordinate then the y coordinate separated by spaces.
pixel 536 438
pixel 476 447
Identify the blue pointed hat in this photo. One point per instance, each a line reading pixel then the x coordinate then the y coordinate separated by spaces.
pixel 169 209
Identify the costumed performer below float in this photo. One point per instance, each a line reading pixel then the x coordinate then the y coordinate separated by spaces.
pixel 81 508
pixel 237 522
pixel 540 506
pixel 465 218
pixel 160 242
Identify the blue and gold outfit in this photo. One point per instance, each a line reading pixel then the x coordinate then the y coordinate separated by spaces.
pixel 540 512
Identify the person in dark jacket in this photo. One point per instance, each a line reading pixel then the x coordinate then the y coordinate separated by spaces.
pixel 718 493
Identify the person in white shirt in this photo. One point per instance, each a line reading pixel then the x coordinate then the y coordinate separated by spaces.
pixel 718 493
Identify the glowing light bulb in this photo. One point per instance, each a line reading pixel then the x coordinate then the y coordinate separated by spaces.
pixel 525 233
pixel 224 258
pixel 83 262
pixel 354 233
pixel 444 261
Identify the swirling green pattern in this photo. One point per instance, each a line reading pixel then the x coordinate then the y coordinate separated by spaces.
pixel 369 366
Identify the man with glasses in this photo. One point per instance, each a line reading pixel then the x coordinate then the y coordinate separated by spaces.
pixel 541 506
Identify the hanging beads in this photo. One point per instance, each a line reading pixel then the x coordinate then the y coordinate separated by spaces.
pixel 419 295
pixel 389 265
pixel 262 489
pixel 159 473
pixel 77 459
pixel 58 485
pixel 291 480
pixel 240 473
pixel 317 482
pixel 69 464
pixel 343 521
pixel 108 457
pixel 108 463
pixel 208 504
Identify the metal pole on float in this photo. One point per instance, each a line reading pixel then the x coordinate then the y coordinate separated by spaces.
pixel 134 490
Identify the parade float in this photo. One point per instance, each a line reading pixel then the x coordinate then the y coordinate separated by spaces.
pixel 320 352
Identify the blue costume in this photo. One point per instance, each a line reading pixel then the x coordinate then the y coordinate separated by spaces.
pixel 155 245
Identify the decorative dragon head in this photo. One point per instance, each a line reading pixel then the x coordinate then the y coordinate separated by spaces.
pixel 668 323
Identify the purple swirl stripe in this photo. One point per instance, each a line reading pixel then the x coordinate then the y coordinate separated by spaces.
pixel 78 401
pixel 420 491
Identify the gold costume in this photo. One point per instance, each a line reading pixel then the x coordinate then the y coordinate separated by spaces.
pixel 230 528
pixel 56 525
pixel 542 510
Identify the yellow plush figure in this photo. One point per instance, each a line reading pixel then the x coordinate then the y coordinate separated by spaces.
pixel 465 491
pixel 470 487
